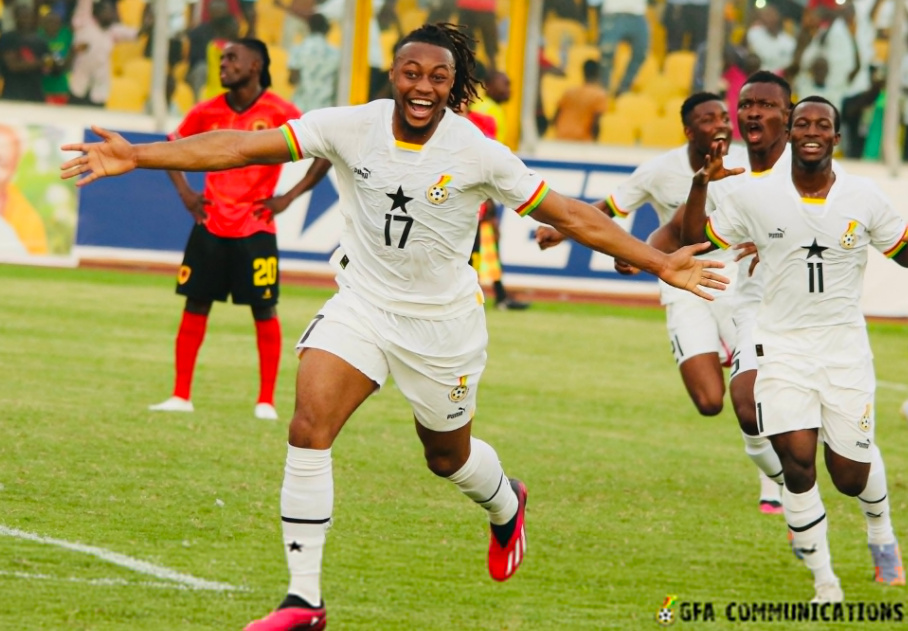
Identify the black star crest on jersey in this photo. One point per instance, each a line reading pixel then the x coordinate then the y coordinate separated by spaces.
pixel 399 200
pixel 295 547
pixel 814 250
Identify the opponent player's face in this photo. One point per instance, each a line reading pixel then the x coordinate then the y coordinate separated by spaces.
pixel 238 65
pixel 762 114
pixel 709 127
pixel 421 80
pixel 813 134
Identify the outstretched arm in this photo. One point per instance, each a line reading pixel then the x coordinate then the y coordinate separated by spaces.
pixel 210 151
pixel 590 227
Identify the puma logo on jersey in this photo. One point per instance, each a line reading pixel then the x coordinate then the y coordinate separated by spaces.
pixel 862 445
pixel 362 172
pixel 778 234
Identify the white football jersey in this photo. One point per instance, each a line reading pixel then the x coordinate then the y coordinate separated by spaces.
pixel 813 252
pixel 411 211
pixel 664 182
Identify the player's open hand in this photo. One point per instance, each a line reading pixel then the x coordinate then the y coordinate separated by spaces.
pixel 195 203
pixel 745 250
pixel 686 272
pixel 547 237
pixel 112 156
pixel 714 169
pixel 266 209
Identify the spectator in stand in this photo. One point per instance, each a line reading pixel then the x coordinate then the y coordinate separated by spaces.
pixel 314 66
pixel 498 92
pixel 479 17
pixel 24 58
pixel 577 117
pixel 95 31
pixel 199 37
pixel 860 92
pixel 685 18
pixel 768 41
pixel 239 9
pixel 622 21
pixel 59 39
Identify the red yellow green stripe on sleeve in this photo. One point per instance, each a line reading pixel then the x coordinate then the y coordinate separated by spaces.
pixel 296 153
pixel 617 211
pixel 899 245
pixel 716 240
pixel 535 199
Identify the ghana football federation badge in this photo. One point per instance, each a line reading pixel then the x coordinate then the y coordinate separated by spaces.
pixel 459 392
pixel 864 423
pixel 849 239
pixel 438 192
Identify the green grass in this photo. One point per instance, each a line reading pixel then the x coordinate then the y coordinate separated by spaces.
pixel 632 495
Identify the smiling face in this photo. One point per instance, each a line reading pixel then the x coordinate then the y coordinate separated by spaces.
pixel 421 80
pixel 813 134
pixel 762 115
pixel 708 125
pixel 239 66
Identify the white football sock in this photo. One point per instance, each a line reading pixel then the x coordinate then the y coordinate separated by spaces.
pixel 307 499
pixel 874 501
pixel 806 519
pixel 482 479
pixel 760 451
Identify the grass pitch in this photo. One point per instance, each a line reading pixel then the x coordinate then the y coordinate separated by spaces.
pixel 633 496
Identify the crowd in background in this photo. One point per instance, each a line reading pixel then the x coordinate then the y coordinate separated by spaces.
pixel 613 71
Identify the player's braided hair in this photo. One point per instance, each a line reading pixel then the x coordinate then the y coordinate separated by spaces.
pixel 455 39
pixel 258 46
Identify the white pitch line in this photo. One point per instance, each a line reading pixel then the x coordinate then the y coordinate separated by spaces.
pixel 130 563
pixel 892 386
pixel 106 582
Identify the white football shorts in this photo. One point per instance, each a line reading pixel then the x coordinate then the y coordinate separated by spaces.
pixel 697 326
pixel 793 393
pixel 436 364
pixel 745 356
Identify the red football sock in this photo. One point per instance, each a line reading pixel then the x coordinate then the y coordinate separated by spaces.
pixel 268 337
pixel 189 340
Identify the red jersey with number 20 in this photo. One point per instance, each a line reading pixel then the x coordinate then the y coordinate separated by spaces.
pixel 233 194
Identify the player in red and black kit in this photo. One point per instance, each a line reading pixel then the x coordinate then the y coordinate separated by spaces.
pixel 232 249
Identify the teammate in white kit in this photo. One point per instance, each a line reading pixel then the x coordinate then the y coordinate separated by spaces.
pixel 701 334
pixel 812 227
pixel 411 175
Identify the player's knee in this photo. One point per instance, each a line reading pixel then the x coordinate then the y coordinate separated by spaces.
pixel 708 405
pixel 747 417
pixel 306 433
pixel 443 464
pixel 850 483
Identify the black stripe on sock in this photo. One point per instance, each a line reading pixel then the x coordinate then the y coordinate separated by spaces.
pixel 294 520
pixel 808 526
pixel 776 475
pixel 495 493
pixel 874 501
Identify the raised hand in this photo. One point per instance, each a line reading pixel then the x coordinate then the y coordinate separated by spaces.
pixel 547 237
pixel 714 169
pixel 686 272
pixel 112 156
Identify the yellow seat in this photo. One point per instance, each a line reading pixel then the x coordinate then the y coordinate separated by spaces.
pixel 616 129
pixel 126 95
pixel 180 69
pixel 660 89
pixel 388 39
pixel 648 70
pixel 679 68
pixel 124 51
pixel 577 55
pixel 662 131
pixel 131 11
pixel 411 19
pixel 183 97
pixel 269 23
pixel 552 89
pixel 672 107
pixel 139 69
pixel 636 108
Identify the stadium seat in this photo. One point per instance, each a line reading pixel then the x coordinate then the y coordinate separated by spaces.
pixel 269 23
pixel 662 131
pixel 130 12
pixel 126 95
pixel 616 129
pixel 552 89
pixel 679 68
pixel 636 109
pixel 183 97
pixel 672 107
pixel 660 89
pixel 124 51
pixel 411 19
pixel 648 70
pixel 139 69
pixel 180 69
pixel 577 55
